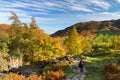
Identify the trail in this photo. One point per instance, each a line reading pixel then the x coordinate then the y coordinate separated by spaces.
pixel 77 75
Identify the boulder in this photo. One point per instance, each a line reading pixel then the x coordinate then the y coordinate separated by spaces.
pixel 2 75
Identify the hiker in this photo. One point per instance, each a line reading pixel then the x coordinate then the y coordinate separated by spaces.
pixel 81 65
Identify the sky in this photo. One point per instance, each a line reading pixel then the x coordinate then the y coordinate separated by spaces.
pixel 53 15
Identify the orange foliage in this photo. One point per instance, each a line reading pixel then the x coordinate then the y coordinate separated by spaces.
pixel 110 68
pixel 54 75
pixel 59 66
pixel 114 77
pixel 12 76
pixel 110 71
pixel 49 75
pixel 34 77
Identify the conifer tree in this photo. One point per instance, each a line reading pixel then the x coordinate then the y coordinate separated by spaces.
pixel 15 19
pixel 73 42
pixel 33 23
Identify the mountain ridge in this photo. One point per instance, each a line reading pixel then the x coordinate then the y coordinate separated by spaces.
pixel 89 27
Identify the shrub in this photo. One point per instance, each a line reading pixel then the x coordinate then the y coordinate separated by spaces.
pixel 61 65
pixel 110 68
pixel 111 71
pixel 12 76
pixel 49 75
pixel 54 75
pixel 114 77
pixel 34 77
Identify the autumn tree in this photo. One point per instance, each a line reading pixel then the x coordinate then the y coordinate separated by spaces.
pixel 33 43
pixel 14 31
pixel 15 19
pixel 43 47
pixel 74 42
pixel 15 34
pixel 87 45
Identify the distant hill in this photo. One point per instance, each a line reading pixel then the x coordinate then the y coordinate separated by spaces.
pixel 91 27
pixel 4 26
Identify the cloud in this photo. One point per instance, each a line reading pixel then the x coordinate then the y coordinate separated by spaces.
pixel 46 6
pixel 112 14
pixel 100 3
pixel 118 1
pixel 27 9
pixel 80 8
pixel 77 5
pixel 100 16
pixel 55 5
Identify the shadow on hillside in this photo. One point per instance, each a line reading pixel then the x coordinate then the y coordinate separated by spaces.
pixel 110 32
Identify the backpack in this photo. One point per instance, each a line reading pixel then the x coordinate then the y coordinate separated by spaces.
pixel 81 63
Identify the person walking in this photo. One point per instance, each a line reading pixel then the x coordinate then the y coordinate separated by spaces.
pixel 81 65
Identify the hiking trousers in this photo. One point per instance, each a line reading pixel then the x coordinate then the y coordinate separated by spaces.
pixel 81 69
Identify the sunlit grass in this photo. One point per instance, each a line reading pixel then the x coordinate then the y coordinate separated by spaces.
pixel 91 59
pixel 95 64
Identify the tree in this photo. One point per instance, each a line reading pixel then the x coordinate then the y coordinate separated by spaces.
pixel 15 34
pixel 74 42
pixel 33 23
pixel 15 19
pixel 33 43
pixel 42 47
pixel 4 42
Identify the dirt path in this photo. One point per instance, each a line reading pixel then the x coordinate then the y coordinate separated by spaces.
pixel 77 75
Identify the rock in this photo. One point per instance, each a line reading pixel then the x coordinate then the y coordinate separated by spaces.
pixel 2 75
pixel 67 79
pixel 82 75
pixel 75 71
pixel 27 72
pixel 14 70
pixel 118 61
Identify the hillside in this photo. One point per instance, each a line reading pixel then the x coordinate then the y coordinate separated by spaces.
pixel 4 26
pixel 91 27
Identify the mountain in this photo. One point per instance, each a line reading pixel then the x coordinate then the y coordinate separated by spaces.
pixel 84 28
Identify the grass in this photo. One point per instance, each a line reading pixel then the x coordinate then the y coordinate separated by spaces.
pixel 96 63
pixel 94 69
pixel 67 70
